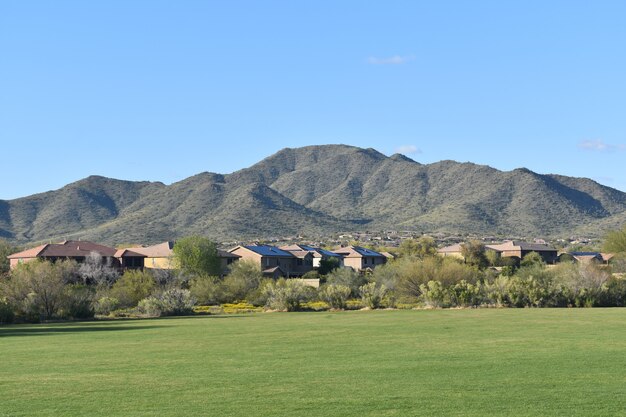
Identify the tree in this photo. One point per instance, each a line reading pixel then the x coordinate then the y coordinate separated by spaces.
pixel 97 270
pixel 615 241
pixel 197 255
pixel 532 259
pixel 420 248
pixel 5 250
pixel 244 279
pixel 328 265
pixel 474 253
pixel 37 288
pixel 132 287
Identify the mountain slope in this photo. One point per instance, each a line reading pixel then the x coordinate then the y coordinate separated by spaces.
pixel 316 190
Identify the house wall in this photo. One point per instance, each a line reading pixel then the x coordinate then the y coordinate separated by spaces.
pixel 159 263
pixel 354 263
pixel 13 263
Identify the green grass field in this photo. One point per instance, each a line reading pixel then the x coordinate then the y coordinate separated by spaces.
pixel 526 362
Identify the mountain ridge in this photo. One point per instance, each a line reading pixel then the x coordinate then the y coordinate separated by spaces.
pixel 318 190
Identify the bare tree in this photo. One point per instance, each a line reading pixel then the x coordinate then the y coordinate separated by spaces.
pixel 98 270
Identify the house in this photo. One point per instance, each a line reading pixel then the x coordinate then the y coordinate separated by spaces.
pixel 318 254
pixel 507 249
pixel 454 251
pixel 360 259
pixel 78 251
pixel 160 256
pixel 592 257
pixel 275 262
pixel 520 249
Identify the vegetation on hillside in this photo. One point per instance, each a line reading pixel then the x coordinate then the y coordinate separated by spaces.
pixel 314 190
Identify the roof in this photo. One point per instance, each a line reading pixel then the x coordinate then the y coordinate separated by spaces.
pixel 66 249
pixel 270 271
pixel 388 255
pixel 524 246
pixel 317 252
pixel 226 254
pixel 161 250
pixel 266 250
pixel 357 252
pixel 451 249
pixel 123 253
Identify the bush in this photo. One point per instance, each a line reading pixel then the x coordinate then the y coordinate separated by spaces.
pixel 105 305
pixel 132 287
pixel 434 294
pixel 78 302
pixel 348 278
pixel 207 290
pixel 335 295
pixel 173 302
pixel 286 295
pixel 372 294
pixel 151 307
pixel 243 282
pixel 6 312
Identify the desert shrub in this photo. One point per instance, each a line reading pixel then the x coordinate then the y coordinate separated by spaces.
pixel 242 282
pixel 207 290
pixel 177 302
pixel 335 295
pixel 132 287
pixel 172 302
pixel 7 314
pixel 435 294
pixel 37 289
pixel 467 295
pixel 348 278
pixel 77 302
pixel 286 294
pixel 105 305
pixel 372 294
pixel 151 307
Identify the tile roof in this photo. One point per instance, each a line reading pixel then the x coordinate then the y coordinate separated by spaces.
pixel 160 250
pixel 68 248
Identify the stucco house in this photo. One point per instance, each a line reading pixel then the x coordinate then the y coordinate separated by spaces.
pixel 520 249
pixel 274 261
pixel 360 259
pixel 318 254
pixel 160 256
pixel 78 251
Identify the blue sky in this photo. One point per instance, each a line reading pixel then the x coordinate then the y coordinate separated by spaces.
pixel 161 90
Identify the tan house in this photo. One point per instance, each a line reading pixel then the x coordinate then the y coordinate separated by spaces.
pixel 275 262
pixel 160 256
pixel 318 254
pixel 592 257
pixel 520 249
pixel 453 251
pixel 78 251
pixel 360 259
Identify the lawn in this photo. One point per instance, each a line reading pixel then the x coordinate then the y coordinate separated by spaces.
pixel 524 362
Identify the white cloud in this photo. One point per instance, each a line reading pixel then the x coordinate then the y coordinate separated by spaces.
pixel 391 60
pixel 408 149
pixel 598 145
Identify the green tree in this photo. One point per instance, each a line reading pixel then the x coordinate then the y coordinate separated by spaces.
pixel 615 241
pixel 474 253
pixel 420 248
pixel 132 287
pixel 6 249
pixel 37 288
pixel 328 265
pixel 197 255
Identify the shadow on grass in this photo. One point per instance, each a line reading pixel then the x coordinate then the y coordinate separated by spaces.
pixel 18 330
pixel 112 325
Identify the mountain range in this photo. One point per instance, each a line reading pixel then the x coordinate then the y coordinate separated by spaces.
pixel 318 190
